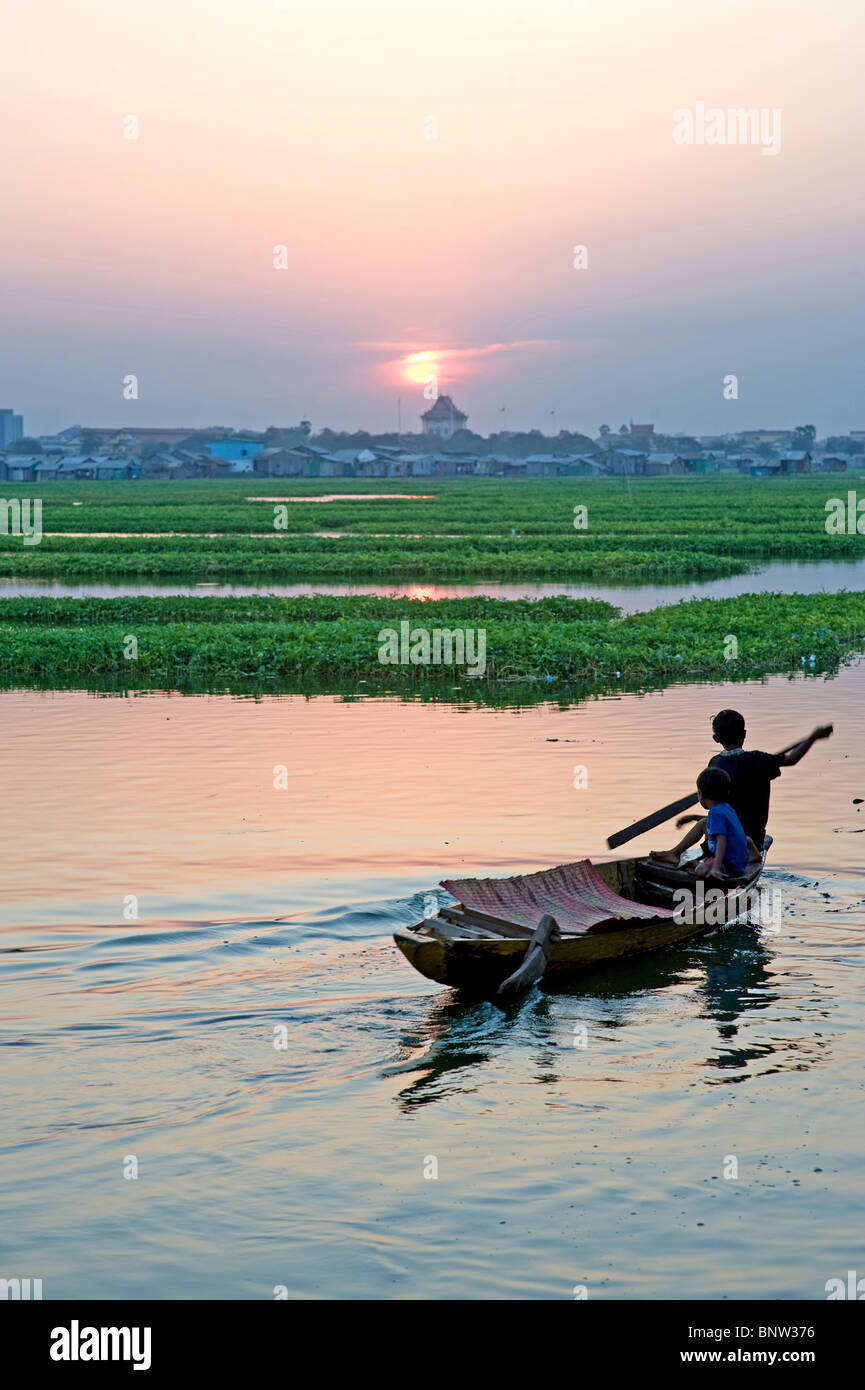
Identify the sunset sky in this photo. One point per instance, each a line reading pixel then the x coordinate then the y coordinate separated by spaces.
pixel 306 125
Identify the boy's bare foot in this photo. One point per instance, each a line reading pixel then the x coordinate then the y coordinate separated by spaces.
pixel 664 856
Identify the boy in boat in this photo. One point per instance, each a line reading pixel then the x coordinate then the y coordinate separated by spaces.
pixel 751 774
pixel 726 843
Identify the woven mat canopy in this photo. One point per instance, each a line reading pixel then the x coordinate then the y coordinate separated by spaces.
pixel 575 894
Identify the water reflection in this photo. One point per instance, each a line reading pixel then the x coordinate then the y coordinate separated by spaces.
pixel 776 576
pixel 454 1034
pixel 737 983
pixel 730 971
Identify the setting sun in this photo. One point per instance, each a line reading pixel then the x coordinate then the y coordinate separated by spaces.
pixel 420 366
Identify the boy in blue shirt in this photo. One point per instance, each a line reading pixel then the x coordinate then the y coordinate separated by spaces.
pixel 728 845
pixel 729 848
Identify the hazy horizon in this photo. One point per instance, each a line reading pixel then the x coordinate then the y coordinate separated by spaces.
pixel 308 127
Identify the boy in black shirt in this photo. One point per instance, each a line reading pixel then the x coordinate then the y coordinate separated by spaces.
pixel 750 774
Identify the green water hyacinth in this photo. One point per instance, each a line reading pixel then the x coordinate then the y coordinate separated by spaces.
pixel 326 643
pixel 637 530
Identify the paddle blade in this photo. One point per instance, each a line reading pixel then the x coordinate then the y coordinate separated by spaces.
pixel 639 827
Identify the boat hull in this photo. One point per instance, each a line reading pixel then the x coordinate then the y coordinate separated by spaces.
pixel 477 966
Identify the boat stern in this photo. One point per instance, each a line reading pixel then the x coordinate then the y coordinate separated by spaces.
pixel 425 953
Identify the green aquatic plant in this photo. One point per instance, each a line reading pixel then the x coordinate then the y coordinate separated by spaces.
pixel 182 643
pixel 669 529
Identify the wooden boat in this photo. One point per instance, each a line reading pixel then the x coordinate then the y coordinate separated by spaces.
pixel 594 914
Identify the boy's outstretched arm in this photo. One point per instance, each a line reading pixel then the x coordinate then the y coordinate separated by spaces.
pixel 795 755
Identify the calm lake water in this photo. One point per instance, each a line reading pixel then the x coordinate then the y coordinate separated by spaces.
pixel 261 908
pixel 781 577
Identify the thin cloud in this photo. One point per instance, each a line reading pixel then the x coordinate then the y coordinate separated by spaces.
pixel 458 353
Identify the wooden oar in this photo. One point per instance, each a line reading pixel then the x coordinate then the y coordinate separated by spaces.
pixel 534 962
pixel 639 827
pixel 621 837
